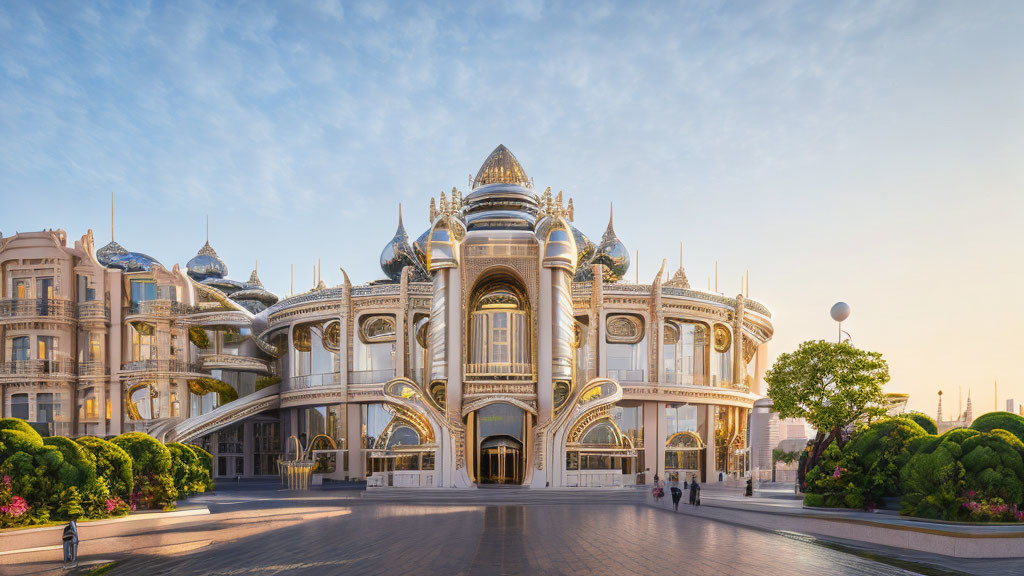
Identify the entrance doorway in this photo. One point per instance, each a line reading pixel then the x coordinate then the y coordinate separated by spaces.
pixel 499 431
pixel 499 461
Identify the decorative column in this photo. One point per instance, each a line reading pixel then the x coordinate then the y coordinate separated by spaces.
pixel 710 464
pixel 401 328
pixel 113 277
pixel 737 341
pixel 597 320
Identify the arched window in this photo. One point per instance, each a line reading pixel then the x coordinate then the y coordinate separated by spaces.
pixel 499 333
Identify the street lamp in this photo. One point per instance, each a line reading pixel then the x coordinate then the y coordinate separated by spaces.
pixel 841 311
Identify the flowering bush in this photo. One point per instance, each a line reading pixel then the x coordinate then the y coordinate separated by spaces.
pixel 966 475
pixel 56 478
pixel 13 508
pixel 151 471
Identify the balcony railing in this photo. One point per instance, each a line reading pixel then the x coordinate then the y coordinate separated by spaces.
pixel 37 367
pixel 503 370
pixel 314 380
pixel 93 311
pixel 681 379
pixel 159 366
pixel 37 307
pixel 371 376
pixel 93 369
pixel 159 308
pixel 624 375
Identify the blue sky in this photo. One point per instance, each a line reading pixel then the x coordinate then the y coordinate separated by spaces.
pixel 865 151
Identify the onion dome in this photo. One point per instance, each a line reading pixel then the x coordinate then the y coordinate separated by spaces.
pixel 226 286
pixel 443 244
pixel 206 264
pixel 419 247
pixel 113 255
pixel 558 243
pixel 612 254
pixel 502 196
pixel 253 296
pixel 584 247
pixel 398 253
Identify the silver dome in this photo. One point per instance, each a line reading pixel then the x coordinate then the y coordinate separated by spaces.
pixel 206 264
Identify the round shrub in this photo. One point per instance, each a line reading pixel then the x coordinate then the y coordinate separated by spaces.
pixel 186 468
pixel 867 469
pixel 1008 421
pixel 78 468
pixel 206 460
pixel 113 465
pixel 924 421
pixel 965 474
pixel 151 470
pixel 17 436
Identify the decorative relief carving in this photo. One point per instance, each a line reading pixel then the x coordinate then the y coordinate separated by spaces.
pixel 624 329
pixel 378 328
pixel 723 339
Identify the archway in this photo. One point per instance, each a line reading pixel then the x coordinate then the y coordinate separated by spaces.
pixel 500 431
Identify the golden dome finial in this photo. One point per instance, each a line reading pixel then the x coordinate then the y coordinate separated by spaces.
pixel 501 166
pixel 433 210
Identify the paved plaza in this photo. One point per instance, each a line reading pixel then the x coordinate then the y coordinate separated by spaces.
pixel 265 531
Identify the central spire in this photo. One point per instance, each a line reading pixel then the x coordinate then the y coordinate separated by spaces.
pixel 501 167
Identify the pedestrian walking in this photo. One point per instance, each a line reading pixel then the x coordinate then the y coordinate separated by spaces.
pixel 658 490
pixel 694 492
pixel 677 495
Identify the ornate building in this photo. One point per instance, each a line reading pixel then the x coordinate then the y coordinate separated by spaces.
pixel 502 346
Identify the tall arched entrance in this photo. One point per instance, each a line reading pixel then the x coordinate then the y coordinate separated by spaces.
pixel 499 432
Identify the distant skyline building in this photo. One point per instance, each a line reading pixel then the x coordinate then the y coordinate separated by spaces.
pixel 961 420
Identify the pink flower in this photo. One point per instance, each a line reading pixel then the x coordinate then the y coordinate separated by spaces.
pixel 7 480
pixel 16 508
pixel 838 472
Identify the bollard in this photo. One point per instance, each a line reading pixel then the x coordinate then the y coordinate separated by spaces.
pixel 70 539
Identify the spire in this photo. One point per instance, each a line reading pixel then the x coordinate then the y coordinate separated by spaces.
pixel 679 279
pixel 969 415
pixel 938 416
pixel 400 215
pixel 111 216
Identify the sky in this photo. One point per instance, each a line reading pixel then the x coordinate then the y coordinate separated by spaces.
pixel 869 152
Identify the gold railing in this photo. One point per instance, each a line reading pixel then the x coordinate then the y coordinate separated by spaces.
pixel 499 369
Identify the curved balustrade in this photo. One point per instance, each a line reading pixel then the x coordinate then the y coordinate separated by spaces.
pixel 371 376
pixel 314 380
pixel 159 308
pixel 159 366
pixel 56 308
pixel 93 312
pixel 514 370
pixel 37 367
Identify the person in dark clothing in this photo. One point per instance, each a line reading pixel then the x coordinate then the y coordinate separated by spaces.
pixel 750 487
pixel 694 492
pixel 677 495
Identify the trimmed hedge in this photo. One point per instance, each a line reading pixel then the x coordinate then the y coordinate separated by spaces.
pixel 56 478
pixel 151 471
pixel 924 421
pixel 113 465
pixel 966 475
pixel 867 469
pixel 1008 421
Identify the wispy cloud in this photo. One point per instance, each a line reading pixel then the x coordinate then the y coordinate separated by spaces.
pixel 771 136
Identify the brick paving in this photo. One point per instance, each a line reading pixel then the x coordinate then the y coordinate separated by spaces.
pixel 264 532
pixel 497 540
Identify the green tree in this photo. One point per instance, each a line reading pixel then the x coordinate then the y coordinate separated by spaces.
pixel 924 421
pixel 1008 421
pixel 829 385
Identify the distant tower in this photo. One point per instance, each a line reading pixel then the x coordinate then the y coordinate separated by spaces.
pixel 938 417
pixel 968 416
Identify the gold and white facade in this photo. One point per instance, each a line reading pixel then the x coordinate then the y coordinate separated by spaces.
pixel 503 346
